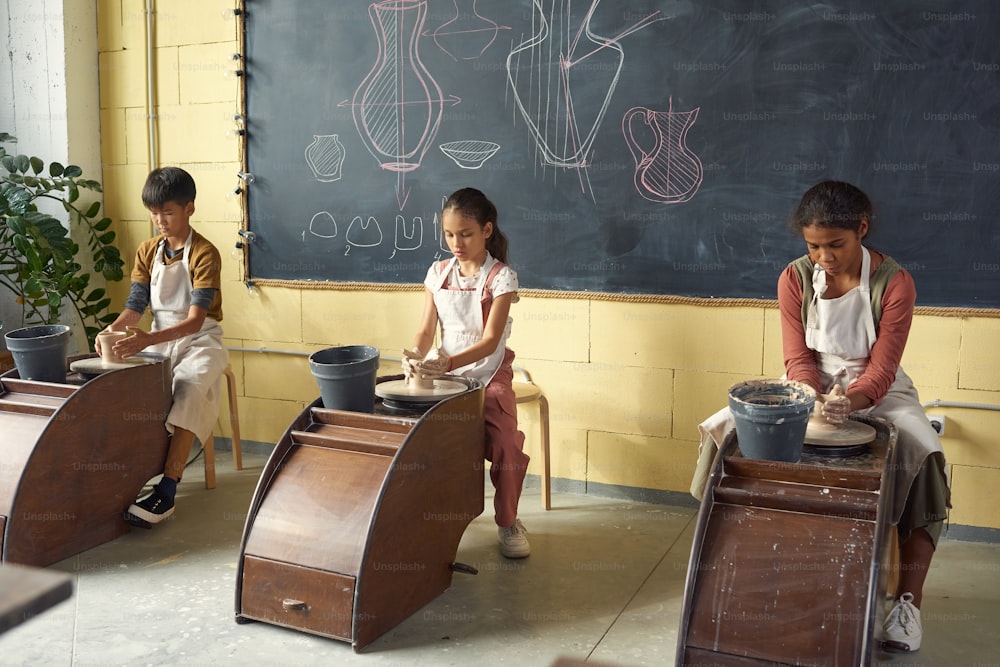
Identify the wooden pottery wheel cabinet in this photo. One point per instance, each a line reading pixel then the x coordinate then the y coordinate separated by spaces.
pixel 75 455
pixel 356 519
pixel 789 564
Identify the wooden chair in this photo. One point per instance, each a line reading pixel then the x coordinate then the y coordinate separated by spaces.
pixel 234 422
pixel 527 391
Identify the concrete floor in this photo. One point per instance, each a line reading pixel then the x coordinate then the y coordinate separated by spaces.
pixel 603 586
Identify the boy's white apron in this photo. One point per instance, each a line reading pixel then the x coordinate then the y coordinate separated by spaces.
pixel 197 360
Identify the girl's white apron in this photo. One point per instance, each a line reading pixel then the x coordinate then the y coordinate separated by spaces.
pixel 842 333
pixel 460 312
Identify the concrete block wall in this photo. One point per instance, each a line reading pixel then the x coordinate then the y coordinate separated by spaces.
pixel 627 382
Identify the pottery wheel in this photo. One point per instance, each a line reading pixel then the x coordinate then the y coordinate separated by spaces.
pixel 849 433
pixel 399 390
pixel 96 366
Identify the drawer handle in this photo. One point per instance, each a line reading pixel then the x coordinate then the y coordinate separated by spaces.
pixel 288 604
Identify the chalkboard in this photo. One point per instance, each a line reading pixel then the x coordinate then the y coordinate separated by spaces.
pixel 645 146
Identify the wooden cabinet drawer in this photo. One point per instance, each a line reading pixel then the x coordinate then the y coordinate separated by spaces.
pixel 298 597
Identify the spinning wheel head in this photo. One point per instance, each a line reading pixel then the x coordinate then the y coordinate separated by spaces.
pixel 847 434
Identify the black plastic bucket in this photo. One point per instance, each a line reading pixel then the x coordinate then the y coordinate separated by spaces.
pixel 771 417
pixel 40 352
pixel 346 376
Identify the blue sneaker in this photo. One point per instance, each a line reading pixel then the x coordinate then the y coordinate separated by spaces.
pixel 153 508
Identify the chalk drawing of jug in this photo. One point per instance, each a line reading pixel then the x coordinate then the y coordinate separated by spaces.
pixel 325 156
pixel 668 172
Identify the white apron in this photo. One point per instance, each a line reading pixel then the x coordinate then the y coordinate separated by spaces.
pixel 197 360
pixel 460 312
pixel 842 332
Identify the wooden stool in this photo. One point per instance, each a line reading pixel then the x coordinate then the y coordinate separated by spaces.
pixel 527 392
pixel 234 422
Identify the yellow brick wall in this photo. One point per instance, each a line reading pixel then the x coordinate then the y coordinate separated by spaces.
pixel 627 383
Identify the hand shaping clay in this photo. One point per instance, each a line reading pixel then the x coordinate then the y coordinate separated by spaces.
pixel 821 432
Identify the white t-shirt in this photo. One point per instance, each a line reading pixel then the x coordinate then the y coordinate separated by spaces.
pixel 504 282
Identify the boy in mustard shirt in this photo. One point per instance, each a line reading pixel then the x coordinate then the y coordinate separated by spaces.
pixel 178 275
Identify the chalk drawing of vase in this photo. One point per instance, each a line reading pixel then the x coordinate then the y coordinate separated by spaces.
pixel 325 156
pixel 398 106
pixel 668 172
pixel 467 34
pixel 546 72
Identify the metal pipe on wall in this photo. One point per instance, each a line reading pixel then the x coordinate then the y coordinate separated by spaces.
pixel 938 403
pixel 150 113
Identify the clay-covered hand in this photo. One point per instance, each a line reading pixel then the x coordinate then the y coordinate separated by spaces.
pixel 410 359
pixel 836 406
pixel 435 364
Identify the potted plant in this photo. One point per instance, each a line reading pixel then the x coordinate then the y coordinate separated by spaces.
pixel 39 260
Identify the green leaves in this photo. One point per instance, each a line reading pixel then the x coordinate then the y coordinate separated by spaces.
pixel 38 256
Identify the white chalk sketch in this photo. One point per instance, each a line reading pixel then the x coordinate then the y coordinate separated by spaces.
pixel 362 234
pixel 439 234
pixel 325 157
pixel 470 153
pixel 409 236
pixel 467 34
pixel 323 225
pixel 668 172
pixel 543 71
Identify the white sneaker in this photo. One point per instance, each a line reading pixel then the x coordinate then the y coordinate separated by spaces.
pixel 902 630
pixel 513 543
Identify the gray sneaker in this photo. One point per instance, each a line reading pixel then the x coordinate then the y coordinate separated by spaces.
pixel 513 543
pixel 902 630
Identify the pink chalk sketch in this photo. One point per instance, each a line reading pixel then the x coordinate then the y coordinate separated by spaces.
pixel 552 60
pixel 667 173
pixel 467 34
pixel 398 106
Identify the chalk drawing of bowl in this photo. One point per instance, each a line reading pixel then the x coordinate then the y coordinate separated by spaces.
pixel 470 153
